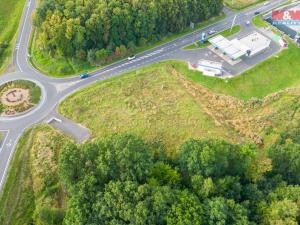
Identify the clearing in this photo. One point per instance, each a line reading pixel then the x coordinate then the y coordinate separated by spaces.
pixel 150 102
pixel 166 102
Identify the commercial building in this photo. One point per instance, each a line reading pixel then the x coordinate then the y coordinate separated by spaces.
pixel 208 68
pixel 250 45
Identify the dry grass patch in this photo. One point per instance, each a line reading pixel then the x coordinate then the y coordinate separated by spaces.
pixel 159 102
pixel 150 103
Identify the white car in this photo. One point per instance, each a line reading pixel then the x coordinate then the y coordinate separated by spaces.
pixel 211 32
pixel 266 3
pixel 248 22
pixel 131 57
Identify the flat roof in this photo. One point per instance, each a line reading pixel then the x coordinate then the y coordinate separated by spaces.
pixel 210 64
pixel 230 48
pixel 256 41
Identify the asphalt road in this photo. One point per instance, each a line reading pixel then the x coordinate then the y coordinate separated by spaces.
pixel 55 90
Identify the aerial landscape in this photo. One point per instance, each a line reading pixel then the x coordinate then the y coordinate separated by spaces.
pixel 168 112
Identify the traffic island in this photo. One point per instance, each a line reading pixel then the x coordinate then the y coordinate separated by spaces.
pixel 18 97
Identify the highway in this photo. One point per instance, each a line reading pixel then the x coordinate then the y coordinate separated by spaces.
pixel 54 90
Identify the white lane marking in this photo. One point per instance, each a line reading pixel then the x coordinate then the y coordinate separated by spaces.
pixel 9 159
pixel 21 36
pixel 4 141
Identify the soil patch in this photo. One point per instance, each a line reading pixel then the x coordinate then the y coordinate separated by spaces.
pixel 18 96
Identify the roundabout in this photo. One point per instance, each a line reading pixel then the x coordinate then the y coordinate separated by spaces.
pixel 18 97
pixel 24 106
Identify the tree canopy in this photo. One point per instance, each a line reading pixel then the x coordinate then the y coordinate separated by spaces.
pixel 95 29
pixel 125 180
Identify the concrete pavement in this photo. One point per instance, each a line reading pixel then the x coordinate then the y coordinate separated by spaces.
pixel 55 90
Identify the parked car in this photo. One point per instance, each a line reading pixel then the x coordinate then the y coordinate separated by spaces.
pixel 266 3
pixel 83 76
pixel 131 57
pixel 211 32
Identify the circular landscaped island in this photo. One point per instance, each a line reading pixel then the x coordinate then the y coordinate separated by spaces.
pixel 17 97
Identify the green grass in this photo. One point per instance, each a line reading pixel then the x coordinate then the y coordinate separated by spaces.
pixel 56 66
pixel 62 67
pixel 241 4
pixel 274 74
pixel 27 188
pixel 10 14
pixel 149 102
pixel 225 33
pixel 259 22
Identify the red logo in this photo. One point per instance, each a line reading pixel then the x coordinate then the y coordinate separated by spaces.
pixel 286 15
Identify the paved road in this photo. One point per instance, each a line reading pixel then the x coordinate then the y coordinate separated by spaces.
pixel 55 90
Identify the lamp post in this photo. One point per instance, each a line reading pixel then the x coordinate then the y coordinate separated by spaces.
pixel 233 22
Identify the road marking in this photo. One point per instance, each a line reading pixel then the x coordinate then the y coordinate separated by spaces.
pixel 21 36
pixel 4 141
pixel 54 119
pixel 8 161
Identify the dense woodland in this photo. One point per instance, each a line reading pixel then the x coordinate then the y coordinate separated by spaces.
pixel 124 180
pixel 99 29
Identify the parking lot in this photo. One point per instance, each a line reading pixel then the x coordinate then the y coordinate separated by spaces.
pixel 194 55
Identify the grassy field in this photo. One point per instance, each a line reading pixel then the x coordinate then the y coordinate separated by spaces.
pixel 274 74
pixel 10 14
pixel 241 4
pixel 259 22
pixel 162 102
pixel 32 183
pixel 150 103
pixel 225 33
pixel 62 67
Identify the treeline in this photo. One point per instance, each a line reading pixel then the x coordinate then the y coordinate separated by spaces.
pixel 124 180
pixel 99 29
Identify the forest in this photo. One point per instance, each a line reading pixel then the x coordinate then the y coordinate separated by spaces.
pixel 124 180
pixel 97 30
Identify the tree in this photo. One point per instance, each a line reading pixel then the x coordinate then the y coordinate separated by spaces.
pixel 281 212
pixel 122 203
pixel 203 187
pixel 91 56
pixel 221 211
pixel 286 160
pixel 215 158
pixel 66 27
pixel 229 187
pixel 187 211
pixel 101 55
pixel 164 174
pixel 124 157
